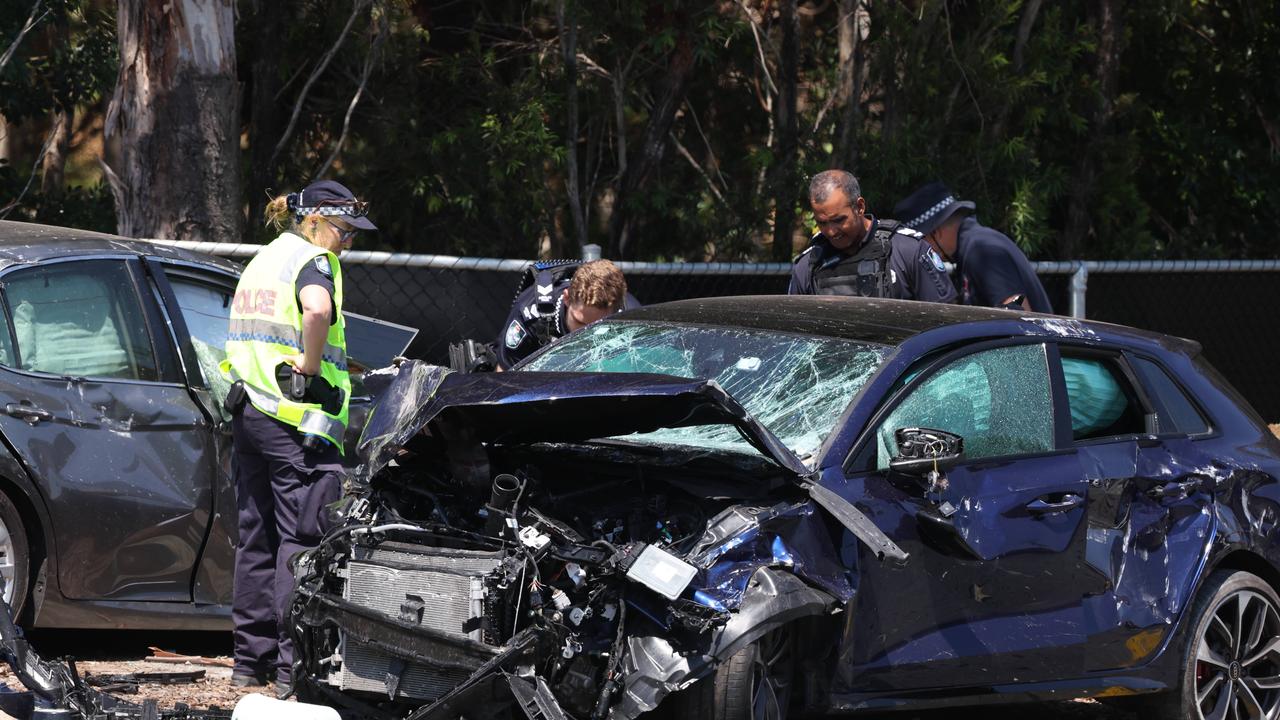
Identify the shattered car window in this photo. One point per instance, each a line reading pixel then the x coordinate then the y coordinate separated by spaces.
pixel 997 400
pixel 206 310
pixel 796 386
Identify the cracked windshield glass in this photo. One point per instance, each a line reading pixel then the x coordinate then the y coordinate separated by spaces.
pixel 794 385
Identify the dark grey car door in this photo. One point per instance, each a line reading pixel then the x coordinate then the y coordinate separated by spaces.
pixel 197 303
pixel 93 404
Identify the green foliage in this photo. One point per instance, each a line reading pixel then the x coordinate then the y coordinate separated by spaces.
pixel 66 62
pixel 461 135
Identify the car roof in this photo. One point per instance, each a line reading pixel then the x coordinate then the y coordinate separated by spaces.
pixel 888 322
pixel 22 242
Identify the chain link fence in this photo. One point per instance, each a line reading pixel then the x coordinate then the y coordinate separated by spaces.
pixel 1224 305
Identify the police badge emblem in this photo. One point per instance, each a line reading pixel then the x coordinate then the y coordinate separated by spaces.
pixel 515 334
pixel 936 260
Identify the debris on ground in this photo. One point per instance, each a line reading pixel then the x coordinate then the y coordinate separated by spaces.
pixel 164 656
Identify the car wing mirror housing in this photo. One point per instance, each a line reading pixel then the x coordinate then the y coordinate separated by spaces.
pixel 921 450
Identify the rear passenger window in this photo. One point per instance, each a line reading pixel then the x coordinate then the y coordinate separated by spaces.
pixel 1101 399
pixel 80 319
pixel 1177 413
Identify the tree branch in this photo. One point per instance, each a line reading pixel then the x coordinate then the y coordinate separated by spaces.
pixel 356 8
pixel 374 49
pixel 31 22
pixel 684 152
pixel 982 119
pixel 1024 33
pixel 4 211
pixel 714 162
pixel 755 33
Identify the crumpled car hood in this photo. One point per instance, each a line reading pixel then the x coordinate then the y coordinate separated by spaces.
pixel 548 407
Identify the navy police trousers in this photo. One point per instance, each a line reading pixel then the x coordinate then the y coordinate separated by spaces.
pixel 281 493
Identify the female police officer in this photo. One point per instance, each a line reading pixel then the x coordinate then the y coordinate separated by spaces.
pixel 286 353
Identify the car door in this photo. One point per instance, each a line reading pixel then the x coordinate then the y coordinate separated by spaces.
pixel 96 408
pixel 1150 499
pixel 197 305
pixel 992 591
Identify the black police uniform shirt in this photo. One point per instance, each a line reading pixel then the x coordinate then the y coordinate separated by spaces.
pixel 991 269
pixel 915 270
pixel 317 272
pixel 518 340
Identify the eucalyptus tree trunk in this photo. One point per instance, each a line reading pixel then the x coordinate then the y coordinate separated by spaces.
pixel 785 176
pixel 853 28
pixel 1085 177
pixel 567 17
pixel 640 173
pixel 267 113
pixel 175 115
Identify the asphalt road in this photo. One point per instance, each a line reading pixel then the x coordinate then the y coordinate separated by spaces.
pixel 122 645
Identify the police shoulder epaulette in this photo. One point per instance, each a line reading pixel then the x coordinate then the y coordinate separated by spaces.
pixel 910 232
pixel 804 252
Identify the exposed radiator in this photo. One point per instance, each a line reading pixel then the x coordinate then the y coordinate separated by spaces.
pixel 436 588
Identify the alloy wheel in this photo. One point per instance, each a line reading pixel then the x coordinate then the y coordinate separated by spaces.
pixel 771 676
pixel 1237 672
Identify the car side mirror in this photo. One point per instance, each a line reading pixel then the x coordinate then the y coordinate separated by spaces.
pixel 921 450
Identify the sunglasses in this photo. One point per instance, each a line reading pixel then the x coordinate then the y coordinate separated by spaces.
pixel 345 235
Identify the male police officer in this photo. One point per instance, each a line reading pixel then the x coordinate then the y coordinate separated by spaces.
pixel 562 297
pixel 856 254
pixel 992 271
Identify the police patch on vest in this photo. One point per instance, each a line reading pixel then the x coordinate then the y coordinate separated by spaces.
pixel 935 260
pixel 515 334
pixel 322 264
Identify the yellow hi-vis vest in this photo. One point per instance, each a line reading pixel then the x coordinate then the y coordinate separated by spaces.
pixel 266 325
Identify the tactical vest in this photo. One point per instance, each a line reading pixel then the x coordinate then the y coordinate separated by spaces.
pixel 865 273
pixel 266 325
pixel 546 275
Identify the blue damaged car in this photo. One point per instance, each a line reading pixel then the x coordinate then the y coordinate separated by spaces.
pixel 763 507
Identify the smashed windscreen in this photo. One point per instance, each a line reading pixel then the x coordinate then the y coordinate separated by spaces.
pixel 796 386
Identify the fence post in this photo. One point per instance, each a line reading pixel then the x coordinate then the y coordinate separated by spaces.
pixel 1079 285
pixel 590 251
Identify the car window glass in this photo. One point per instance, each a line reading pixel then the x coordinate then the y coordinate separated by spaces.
pixel 1102 401
pixel 797 386
pixel 1177 412
pixel 206 309
pixel 80 319
pixel 998 400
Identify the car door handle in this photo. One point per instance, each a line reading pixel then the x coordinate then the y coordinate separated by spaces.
pixel 1175 490
pixel 30 413
pixel 1055 503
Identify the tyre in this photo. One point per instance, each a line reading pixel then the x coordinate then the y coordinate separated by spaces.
pixel 755 684
pixel 15 557
pixel 1231 655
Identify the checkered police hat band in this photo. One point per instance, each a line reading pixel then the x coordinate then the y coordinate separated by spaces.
pixel 942 204
pixel 329 210
pixel 352 208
